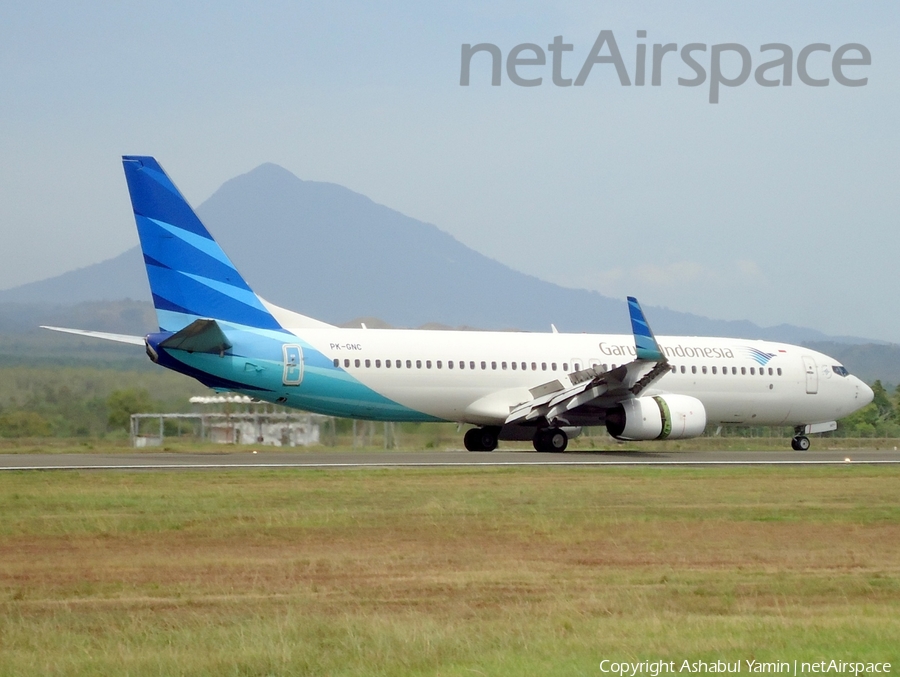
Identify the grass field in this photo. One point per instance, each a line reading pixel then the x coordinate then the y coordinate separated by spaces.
pixel 522 571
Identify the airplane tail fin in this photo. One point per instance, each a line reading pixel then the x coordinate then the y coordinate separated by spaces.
pixel 190 276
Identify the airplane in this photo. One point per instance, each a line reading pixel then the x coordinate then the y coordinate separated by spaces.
pixel 542 387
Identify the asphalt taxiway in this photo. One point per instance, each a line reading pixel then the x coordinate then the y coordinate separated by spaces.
pixel 423 459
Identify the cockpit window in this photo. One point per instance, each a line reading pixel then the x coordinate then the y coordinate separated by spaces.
pixel 840 371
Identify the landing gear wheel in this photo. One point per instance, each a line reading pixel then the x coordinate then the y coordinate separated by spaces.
pixel 472 441
pixel 488 438
pixel 558 440
pixel 552 440
pixel 480 439
pixel 800 443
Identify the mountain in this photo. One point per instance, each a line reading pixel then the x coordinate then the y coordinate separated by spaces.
pixel 868 361
pixel 325 251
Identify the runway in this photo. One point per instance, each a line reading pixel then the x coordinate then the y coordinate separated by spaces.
pixel 433 459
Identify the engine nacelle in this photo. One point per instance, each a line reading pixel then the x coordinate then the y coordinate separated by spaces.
pixel 657 418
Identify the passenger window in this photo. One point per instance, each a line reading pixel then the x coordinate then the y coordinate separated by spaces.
pixel 734 371
pixel 438 364
pixel 565 366
pixel 472 365
pixel 533 366
pixel 418 364
pixel 674 369
pixel 355 363
pixel 693 370
pixel 682 369
pixel 368 364
pixel 428 364
pixel 483 366
pixel 409 364
pixel 713 370
pixel 515 365
pixel 743 371
pixel 337 362
pixel 503 365
pixel 553 366
pixel 494 366
pixel 770 371
pixel 779 371
pixel 346 363
pixel 577 367
pixel 449 364
pixel 704 368
pixel 377 363
pixel 543 366
pixel 752 371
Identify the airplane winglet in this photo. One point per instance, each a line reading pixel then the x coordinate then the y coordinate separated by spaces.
pixel 645 344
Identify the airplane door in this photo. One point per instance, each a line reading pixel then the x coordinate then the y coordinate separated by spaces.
pixel 293 365
pixel 812 378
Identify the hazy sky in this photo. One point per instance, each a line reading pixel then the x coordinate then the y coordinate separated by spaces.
pixel 778 204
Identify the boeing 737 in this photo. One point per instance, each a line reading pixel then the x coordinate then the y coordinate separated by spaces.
pixel 507 385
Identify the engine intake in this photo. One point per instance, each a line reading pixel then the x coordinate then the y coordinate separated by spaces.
pixel 657 418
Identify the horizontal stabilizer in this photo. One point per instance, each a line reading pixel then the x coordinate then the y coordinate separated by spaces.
pixel 118 338
pixel 200 336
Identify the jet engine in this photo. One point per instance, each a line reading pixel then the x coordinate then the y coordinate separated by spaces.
pixel 657 418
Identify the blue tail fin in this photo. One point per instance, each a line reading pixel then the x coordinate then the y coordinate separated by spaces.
pixel 190 276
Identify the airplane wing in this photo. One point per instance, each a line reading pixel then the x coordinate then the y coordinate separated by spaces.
pixel 551 401
pixel 118 338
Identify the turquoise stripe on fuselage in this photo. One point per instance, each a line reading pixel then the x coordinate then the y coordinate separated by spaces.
pixel 256 361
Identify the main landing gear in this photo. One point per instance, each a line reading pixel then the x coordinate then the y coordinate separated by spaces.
pixel 481 439
pixel 551 439
pixel 800 443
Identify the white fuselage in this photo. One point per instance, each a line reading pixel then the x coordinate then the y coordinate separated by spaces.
pixel 476 377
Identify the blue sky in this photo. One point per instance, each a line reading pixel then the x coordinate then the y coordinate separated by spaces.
pixel 774 205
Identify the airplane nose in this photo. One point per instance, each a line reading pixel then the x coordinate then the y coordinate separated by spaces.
pixel 863 393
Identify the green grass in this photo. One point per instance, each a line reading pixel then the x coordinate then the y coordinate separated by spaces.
pixel 454 572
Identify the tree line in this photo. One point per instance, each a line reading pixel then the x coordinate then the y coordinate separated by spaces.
pixel 88 402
